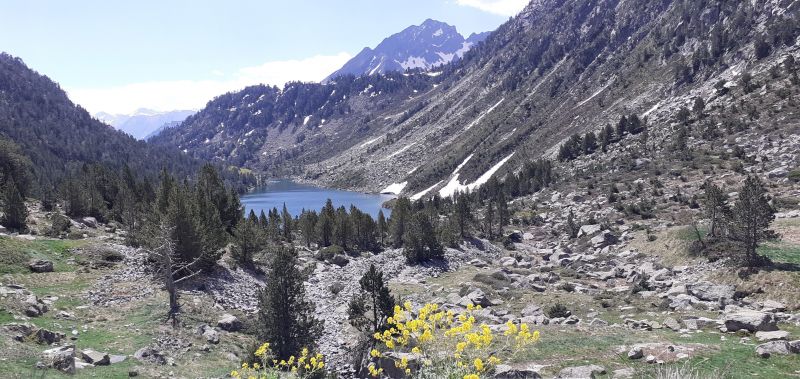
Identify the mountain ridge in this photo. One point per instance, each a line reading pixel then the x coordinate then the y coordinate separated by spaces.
pixel 426 46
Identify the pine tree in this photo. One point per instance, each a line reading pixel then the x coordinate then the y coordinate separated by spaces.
pixel 606 137
pixel 14 210
pixel 398 224
pixel 287 224
pixel 250 240
pixel 589 143
pixel 342 229
pixel 286 318
pixel 462 214
pixel 307 225
pixel 382 227
pixel 327 218
pixel 750 219
pixel 715 208
pixel 374 298
pixel 419 243
pixel 622 127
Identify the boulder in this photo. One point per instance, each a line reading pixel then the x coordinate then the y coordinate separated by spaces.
pixel 150 355
pixel 387 362
pixel 90 222
pixel 671 323
pixel 476 297
pixel 605 238
pixel 636 353
pixel 752 321
pixel 46 337
pixel 60 358
pixel 773 306
pixel 711 292
pixel 765 350
pixel 339 260
pixel 589 230
pixel 794 346
pixel 508 372
pixel 532 310
pixel 211 335
pixel 40 265
pixel 95 357
pixel 35 307
pixel 772 336
pixel 581 372
pixel 229 323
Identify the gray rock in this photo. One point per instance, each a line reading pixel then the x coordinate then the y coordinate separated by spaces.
pixel 388 359
pixel 711 292
pixel 623 373
pixel 339 260
pixel 46 337
pixel 765 350
pixel 508 372
pixel 95 357
pixel 671 323
pixel 211 335
pixel 636 353
pixel 589 230
pixel 532 310
pixel 581 372
pixel 773 306
pixel 150 355
pixel 772 336
pixel 605 238
pixel 90 222
pixel 229 323
pixel 114 359
pixel 60 358
pixel 753 321
pixel 40 265
pixel 794 346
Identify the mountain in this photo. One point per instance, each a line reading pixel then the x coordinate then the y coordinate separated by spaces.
pixel 557 69
pixel 144 122
pixel 59 136
pixel 428 45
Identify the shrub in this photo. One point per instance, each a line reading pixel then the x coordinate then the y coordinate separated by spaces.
pixel 447 344
pixel 558 310
pixel 58 224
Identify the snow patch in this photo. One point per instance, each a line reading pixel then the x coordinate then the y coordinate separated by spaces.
pixel 370 142
pixel 305 121
pixel 392 155
pixel 454 185
pixel 413 170
pixel 438 32
pixel 651 110
pixel 471 124
pixel 594 94
pixel 394 188
pixel 422 193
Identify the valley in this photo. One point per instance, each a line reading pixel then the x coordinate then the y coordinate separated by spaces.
pixel 596 189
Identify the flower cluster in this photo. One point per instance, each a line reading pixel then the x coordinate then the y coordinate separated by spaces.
pixel 303 365
pixel 433 336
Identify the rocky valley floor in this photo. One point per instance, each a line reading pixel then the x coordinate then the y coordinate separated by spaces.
pixel 636 303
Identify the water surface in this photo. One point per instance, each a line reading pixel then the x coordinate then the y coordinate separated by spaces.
pixel 298 196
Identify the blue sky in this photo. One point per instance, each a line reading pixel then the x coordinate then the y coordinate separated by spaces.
pixel 117 56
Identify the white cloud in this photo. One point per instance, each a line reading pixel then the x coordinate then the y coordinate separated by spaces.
pixel 501 7
pixel 194 94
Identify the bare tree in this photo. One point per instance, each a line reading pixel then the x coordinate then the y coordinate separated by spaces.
pixel 170 269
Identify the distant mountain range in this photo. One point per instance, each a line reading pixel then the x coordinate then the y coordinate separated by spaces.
pixel 431 44
pixel 144 123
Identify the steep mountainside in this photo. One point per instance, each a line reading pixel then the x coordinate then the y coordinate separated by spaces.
pixel 59 136
pixel 144 122
pixel 430 44
pixel 558 68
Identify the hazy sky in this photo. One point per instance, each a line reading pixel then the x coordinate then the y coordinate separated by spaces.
pixel 117 56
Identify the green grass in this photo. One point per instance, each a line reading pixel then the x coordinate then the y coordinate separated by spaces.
pixel 15 253
pixel 782 252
